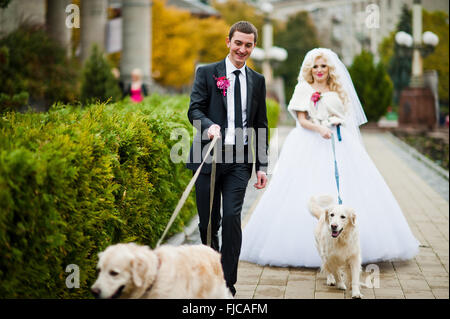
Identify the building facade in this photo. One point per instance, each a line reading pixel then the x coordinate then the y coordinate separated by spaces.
pixel 348 26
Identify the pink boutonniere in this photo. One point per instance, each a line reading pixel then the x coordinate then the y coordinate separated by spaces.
pixel 316 97
pixel 222 84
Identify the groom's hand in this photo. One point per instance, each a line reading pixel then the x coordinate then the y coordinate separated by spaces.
pixel 261 180
pixel 214 130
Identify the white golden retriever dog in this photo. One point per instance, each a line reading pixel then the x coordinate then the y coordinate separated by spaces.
pixel 133 271
pixel 337 241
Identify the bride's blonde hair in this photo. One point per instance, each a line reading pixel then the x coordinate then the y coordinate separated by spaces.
pixel 332 81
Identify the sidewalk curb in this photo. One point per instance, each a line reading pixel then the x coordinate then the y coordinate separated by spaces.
pixel 414 153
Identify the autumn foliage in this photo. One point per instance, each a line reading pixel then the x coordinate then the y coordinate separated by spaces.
pixel 181 41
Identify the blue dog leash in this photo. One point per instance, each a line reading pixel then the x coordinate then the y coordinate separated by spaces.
pixel 336 172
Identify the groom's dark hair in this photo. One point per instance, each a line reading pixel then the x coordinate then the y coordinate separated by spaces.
pixel 244 27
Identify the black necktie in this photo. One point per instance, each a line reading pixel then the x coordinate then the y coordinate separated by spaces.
pixel 237 101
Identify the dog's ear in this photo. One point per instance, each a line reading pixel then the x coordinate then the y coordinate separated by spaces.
pixel 138 269
pixel 327 215
pixel 143 267
pixel 352 215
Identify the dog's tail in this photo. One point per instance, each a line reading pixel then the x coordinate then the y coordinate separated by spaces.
pixel 317 204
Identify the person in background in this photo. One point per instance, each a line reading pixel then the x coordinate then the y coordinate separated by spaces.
pixel 136 89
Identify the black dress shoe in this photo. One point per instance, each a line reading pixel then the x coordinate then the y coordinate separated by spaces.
pixel 232 290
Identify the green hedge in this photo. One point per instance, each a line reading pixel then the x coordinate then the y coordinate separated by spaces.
pixel 73 181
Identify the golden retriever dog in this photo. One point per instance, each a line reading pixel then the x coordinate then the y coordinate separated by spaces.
pixel 337 241
pixel 133 271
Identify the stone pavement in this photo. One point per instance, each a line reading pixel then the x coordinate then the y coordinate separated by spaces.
pixel 426 211
pixel 423 197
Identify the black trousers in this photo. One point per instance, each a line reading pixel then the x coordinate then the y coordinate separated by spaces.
pixel 231 184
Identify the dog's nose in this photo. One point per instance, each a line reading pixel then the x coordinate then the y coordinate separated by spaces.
pixel 96 292
pixel 333 227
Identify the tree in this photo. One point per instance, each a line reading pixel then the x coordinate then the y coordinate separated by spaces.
pixel 437 22
pixel 298 37
pixel 386 49
pixel 12 93
pixel 98 80
pixel 211 39
pixel 372 84
pixel 36 67
pixel 399 67
pixel 237 10
pixel 174 54
pixel 180 41
pixel 398 61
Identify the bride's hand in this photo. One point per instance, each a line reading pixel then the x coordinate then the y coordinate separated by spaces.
pixel 325 132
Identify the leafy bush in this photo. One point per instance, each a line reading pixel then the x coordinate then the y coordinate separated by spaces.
pixel 34 66
pixel 372 84
pixel 73 181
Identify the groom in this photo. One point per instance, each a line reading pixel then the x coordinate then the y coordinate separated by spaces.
pixel 236 113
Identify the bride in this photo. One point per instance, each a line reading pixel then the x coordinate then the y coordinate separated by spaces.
pixel 280 231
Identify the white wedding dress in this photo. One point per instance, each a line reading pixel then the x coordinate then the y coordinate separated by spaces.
pixel 280 231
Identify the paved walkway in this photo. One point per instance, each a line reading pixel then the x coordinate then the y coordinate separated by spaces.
pixel 423 197
pixel 426 211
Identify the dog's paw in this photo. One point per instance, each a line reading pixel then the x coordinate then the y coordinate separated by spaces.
pixel 341 286
pixel 331 281
pixel 357 295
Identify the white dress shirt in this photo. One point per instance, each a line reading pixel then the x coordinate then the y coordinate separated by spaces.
pixel 230 68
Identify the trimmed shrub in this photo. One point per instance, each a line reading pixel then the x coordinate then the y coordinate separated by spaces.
pixel 73 181
pixel 76 180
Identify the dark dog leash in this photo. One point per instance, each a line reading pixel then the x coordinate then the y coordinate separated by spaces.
pixel 211 192
pixel 336 172
pixel 189 188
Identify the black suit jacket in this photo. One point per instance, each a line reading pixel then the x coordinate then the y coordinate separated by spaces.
pixel 209 106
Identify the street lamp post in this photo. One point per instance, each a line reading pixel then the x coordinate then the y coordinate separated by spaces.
pixel 417 103
pixel 417 63
pixel 269 54
pixel 267 35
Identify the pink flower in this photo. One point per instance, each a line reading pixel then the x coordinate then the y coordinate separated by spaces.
pixel 222 84
pixel 316 97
